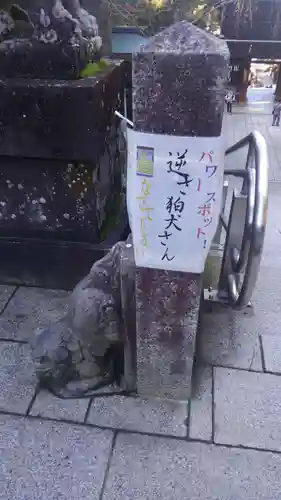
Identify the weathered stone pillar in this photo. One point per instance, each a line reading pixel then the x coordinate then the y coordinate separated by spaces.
pixel 178 90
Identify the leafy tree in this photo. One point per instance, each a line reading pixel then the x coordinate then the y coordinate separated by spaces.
pixel 157 14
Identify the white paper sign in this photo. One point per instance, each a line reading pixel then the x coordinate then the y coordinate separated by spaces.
pixel 174 192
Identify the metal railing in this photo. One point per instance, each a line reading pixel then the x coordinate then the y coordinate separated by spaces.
pixel 243 249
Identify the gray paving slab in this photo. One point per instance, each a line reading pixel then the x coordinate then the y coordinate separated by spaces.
pixel 200 421
pixel 146 468
pixel 142 415
pixel 272 246
pixel 242 122
pixel 229 338
pixel 6 292
pixel 267 297
pixel 47 405
pixel 247 409
pixel 30 308
pixel 54 461
pixel 272 352
pixel 264 323
pixel 17 377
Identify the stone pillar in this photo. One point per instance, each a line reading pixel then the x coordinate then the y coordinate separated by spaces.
pixel 178 90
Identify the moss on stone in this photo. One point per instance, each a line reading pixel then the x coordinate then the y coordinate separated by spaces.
pixel 93 68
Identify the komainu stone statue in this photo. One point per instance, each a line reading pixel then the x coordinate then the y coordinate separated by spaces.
pixel 59 33
pixel 85 346
pixel 49 19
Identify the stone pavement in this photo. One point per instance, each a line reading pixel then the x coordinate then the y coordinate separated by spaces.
pixel 223 445
pixel 256 116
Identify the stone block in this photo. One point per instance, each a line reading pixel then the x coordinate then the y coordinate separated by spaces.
pixel 73 202
pixel 247 409
pixel 145 467
pixel 60 198
pixel 140 415
pixel 40 118
pixel 47 405
pixel 29 58
pixel 201 403
pixel 17 378
pixel 42 460
pixel 29 309
pixel 56 211
pixel 22 260
pixel 53 199
pixel 229 338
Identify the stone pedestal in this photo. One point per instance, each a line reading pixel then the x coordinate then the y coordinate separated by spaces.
pixel 26 58
pixel 178 89
pixel 61 202
pixel 60 119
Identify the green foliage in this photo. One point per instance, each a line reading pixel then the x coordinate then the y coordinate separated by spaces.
pixel 93 68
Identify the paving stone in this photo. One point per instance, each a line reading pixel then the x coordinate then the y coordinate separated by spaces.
pixel 200 424
pixel 247 409
pixel 271 255
pixel 272 246
pixel 242 123
pixel 47 405
pixel 30 308
pixel 45 460
pixel 5 294
pixel 229 338
pixel 142 415
pixel 272 353
pixel 17 378
pixel 148 468
pixel 266 297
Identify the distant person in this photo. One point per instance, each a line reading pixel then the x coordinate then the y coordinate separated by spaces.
pixel 229 98
pixel 276 113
